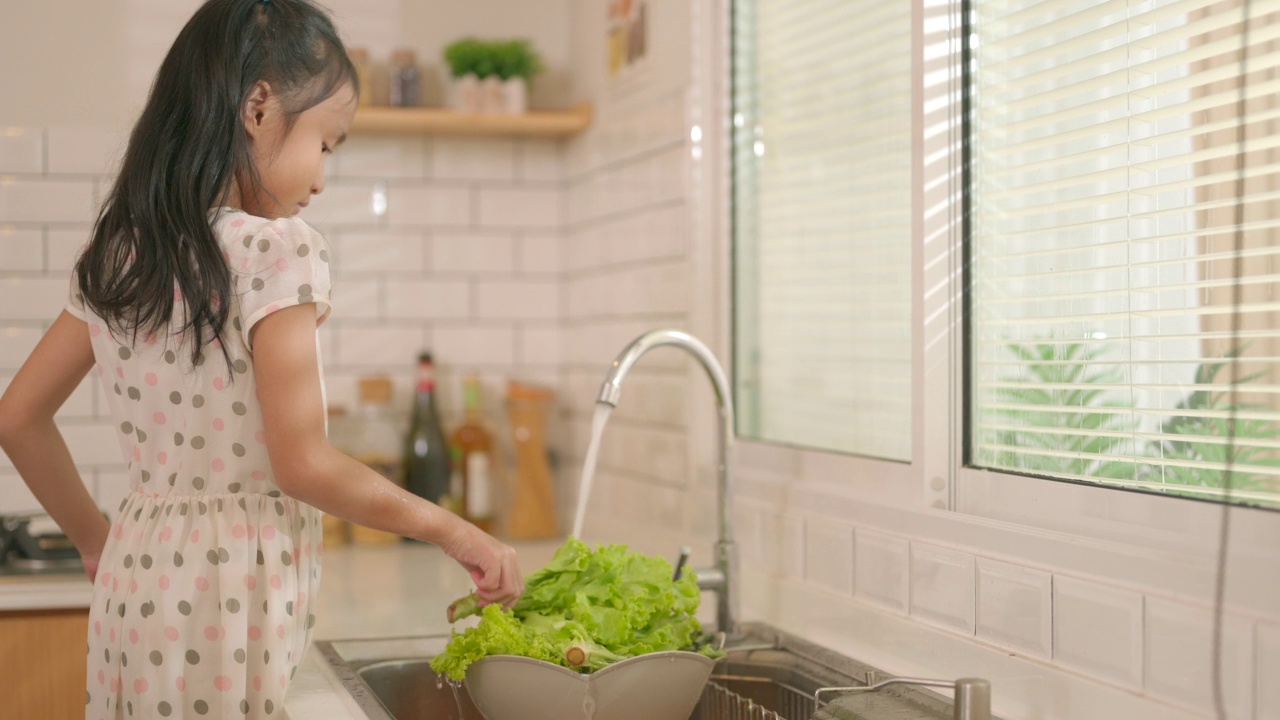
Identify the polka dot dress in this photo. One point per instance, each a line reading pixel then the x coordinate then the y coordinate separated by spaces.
pixel 203 600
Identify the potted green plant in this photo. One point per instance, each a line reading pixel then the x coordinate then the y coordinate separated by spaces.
pixel 491 76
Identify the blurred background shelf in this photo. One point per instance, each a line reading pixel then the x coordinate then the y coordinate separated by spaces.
pixel 443 121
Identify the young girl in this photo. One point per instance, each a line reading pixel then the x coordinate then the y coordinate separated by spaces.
pixel 196 302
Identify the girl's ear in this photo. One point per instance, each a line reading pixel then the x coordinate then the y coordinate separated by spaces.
pixel 258 106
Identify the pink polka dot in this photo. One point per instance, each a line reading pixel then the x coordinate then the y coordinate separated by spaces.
pixel 275 582
pixel 218 465
pixel 253 531
pixel 160 418
pixel 115 587
pixel 237 531
pixel 217 383
pixel 181 683
pixel 171 633
pixel 97 627
pixel 162 457
pixel 113 634
pixel 219 425
pixel 257 682
pixel 94 330
pixel 133 588
pixel 101 371
pixel 280 631
pixel 152 379
pixel 268 532
pixel 164 582
pixel 302 598
pixel 119 533
pixel 115 684
pixel 166 533
pixel 195 536
pixel 120 373
pixel 106 577
pixel 236 223
pixel 202 583
pixel 251 583
pixel 137 454
pixel 296 556
pixel 272 308
pixel 284 681
pixel 140 686
pixel 255 633
pixel 211 633
pixel 133 636
pixel 282 265
pixel 222 682
pixel 261 437
pixel 102 678
pixel 258 475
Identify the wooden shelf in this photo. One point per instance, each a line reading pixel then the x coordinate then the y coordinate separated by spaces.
pixel 441 121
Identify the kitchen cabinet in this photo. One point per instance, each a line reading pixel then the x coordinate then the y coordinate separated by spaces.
pixel 42 663
pixel 440 121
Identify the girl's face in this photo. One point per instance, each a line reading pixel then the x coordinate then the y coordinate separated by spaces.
pixel 291 161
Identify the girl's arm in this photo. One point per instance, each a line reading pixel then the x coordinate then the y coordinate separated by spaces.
pixel 32 441
pixel 287 373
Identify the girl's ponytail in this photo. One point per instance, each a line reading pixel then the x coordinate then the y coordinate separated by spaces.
pixel 153 244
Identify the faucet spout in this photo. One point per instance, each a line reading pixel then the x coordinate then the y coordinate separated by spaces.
pixel 726 554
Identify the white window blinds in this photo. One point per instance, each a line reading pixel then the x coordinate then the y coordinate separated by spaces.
pixel 1103 226
pixel 822 223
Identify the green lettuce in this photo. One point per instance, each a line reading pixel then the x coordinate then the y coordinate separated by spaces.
pixel 586 609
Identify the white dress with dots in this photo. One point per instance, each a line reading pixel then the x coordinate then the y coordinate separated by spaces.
pixel 203 600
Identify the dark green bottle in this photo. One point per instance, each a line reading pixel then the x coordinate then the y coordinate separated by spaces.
pixel 426 454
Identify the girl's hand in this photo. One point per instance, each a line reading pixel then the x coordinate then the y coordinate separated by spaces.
pixel 492 564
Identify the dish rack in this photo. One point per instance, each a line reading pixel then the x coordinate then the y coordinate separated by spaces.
pixel 720 703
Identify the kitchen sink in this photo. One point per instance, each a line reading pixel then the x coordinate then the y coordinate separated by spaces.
pixel 769 675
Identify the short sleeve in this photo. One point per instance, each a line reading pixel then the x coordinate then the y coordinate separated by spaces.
pixel 284 263
pixel 75 300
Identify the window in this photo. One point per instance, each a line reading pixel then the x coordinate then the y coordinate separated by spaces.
pixel 1101 245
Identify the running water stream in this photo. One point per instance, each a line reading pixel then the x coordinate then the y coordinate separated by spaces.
pixel 589 466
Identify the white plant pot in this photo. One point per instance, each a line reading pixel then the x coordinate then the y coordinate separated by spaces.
pixel 466 95
pixel 492 98
pixel 515 92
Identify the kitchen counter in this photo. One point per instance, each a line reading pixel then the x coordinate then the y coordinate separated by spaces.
pixel 365 592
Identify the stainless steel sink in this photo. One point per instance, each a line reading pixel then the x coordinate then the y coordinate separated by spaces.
pixel 770 676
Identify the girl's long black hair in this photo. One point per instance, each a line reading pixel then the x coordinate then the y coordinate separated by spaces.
pixel 153 235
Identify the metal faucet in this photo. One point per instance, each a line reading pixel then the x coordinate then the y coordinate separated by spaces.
pixel 972 701
pixel 722 577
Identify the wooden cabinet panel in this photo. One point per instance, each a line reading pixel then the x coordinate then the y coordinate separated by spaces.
pixel 42 664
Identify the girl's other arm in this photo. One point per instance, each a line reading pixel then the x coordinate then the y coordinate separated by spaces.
pixel 32 441
pixel 287 372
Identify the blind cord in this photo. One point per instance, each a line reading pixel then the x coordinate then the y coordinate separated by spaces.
pixel 1237 299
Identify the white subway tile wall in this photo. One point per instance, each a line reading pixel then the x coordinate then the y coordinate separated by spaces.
pixel 1015 607
pixel 881 569
pixel 441 244
pixel 1179 652
pixel 944 587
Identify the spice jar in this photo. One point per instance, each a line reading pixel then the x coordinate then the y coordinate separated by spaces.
pixel 405 80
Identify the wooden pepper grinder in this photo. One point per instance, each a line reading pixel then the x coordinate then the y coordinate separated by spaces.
pixel 533 507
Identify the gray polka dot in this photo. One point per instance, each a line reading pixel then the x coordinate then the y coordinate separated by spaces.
pixel 170 357
pixel 248 240
pixel 244 707
pixel 242 504
pixel 286 558
pixel 204 509
pixel 165 709
pixel 324 255
pixel 126 428
pixel 177 562
pixel 304 289
pixel 266 654
pixel 235 323
pixel 198 483
pixel 197 401
pixel 120 609
pixel 117 388
pixel 146 562
pixel 257 284
pixel 304 250
pixel 280 508
pixel 183 511
pixel 193 657
pixel 202 707
pixel 270 707
pixel 233 605
pixel 147 609
pixel 175 397
pixel 142 436
pixel 239 654
pixel 239 408
pixel 184 607
pixel 261 561
pixel 197 443
pixel 213 557
pixel 135 394
pixel 223 555
pixel 237 449
pixel 146 476
pixel 288 608
pixel 240 366
pixel 157 658
pixel 130 706
pixel 128 561
pixel 173 480
pixel 124 659
pixel 177 439
pixel 125 353
pixel 107 654
pixel 264 245
pixel 311 621
pixel 234 488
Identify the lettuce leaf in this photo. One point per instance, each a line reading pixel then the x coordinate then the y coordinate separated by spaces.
pixel 584 610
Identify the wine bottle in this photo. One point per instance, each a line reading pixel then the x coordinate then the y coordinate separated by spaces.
pixel 476 445
pixel 426 455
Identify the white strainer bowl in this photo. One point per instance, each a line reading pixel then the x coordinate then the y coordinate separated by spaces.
pixel 656 686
